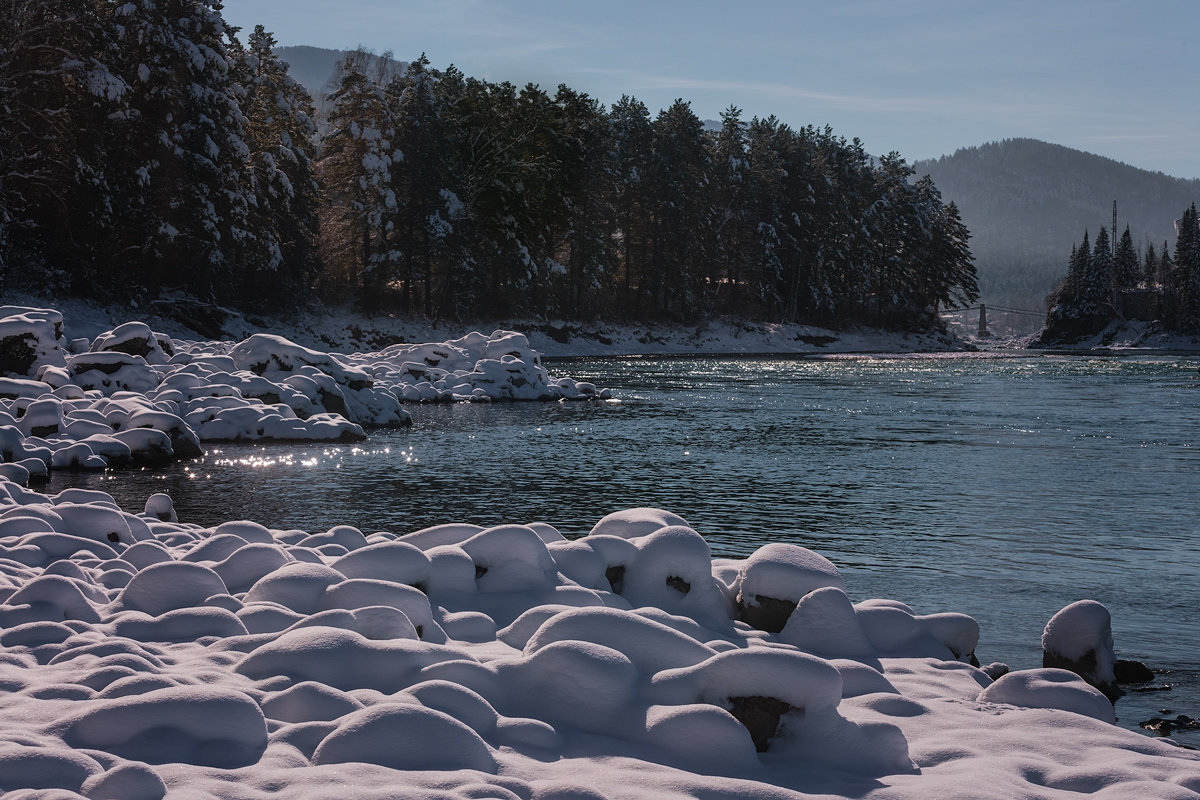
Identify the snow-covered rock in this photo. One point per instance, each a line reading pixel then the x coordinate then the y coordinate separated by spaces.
pixel 140 654
pixel 76 406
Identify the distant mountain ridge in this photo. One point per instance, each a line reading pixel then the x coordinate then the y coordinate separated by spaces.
pixel 313 67
pixel 1026 202
pixel 316 67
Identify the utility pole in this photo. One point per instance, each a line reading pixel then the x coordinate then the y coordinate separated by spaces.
pixel 1113 244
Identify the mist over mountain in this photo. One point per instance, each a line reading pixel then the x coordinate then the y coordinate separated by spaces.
pixel 1026 202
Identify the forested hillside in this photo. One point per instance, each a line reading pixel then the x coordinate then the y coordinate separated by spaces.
pixel 1026 202
pixel 146 147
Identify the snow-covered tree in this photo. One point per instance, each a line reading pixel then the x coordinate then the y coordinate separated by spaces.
pixel 56 92
pixel 1096 290
pixel 358 229
pixel 279 259
pixel 732 226
pixel 179 143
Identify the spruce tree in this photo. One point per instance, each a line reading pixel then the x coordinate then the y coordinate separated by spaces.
pixel 1187 269
pixel 180 145
pixel 1150 266
pixel 1096 295
pixel 1126 270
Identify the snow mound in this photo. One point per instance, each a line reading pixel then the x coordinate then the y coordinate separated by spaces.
pixel 132 396
pixel 144 657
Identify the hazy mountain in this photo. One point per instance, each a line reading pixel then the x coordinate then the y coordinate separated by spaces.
pixel 316 67
pixel 313 67
pixel 1027 202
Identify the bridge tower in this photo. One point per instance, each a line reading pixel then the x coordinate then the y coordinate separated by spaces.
pixel 983 332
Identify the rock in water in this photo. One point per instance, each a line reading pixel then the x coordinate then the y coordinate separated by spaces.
pixel 1079 639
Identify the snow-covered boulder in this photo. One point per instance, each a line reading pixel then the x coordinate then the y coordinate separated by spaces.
pixel 1079 639
pixel 29 339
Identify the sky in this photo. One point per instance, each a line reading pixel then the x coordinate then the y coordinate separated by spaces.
pixel 920 77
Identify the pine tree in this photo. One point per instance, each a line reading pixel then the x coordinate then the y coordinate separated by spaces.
pixel 427 208
pixel 732 226
pixel 580 211
pixel 279 256
pixel 771 246
pixel 630 165
pixel 681 215
pixel 355 168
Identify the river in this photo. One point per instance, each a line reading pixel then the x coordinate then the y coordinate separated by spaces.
pixel 1001 485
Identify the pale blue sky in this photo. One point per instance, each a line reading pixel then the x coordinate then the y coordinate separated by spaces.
pixel 923 77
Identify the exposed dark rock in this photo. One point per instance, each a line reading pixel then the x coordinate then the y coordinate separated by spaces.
pixel 761 716
pixel 81 364
pixel 615 576
pixel 678 584
pixel 1165 727
pixel 1084 667
pixel 1127 672
pixel 133 347
pixel 333 402
pixel 17 354
pixel 770 614
pixel 480 571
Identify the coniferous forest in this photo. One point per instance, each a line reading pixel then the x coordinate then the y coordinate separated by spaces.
pixel 1110 281
pixel 147 147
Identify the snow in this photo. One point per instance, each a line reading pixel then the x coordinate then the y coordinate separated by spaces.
pixel 130 396
pixel 146 657
pixel 143 656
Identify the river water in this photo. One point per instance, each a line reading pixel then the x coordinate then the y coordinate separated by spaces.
pixel 1001 485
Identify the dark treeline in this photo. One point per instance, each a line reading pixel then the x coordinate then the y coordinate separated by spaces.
pixel 145 146
pixel 1108 281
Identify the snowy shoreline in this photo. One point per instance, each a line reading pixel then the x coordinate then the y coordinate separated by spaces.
pixel 145 657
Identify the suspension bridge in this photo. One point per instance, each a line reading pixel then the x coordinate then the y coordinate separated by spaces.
pixel 1013 320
